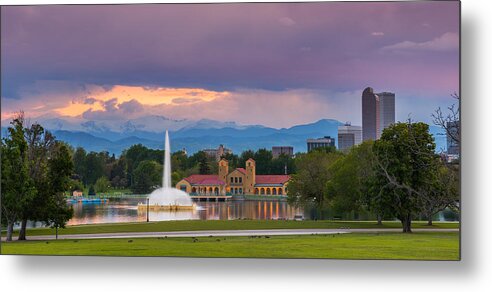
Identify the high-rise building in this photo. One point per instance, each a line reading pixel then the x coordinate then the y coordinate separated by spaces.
pixel 370 115
pixel 386 110
pixel 217 153
pixel 285 150
pixel 451 136
pixel 348 136
pixel 326 141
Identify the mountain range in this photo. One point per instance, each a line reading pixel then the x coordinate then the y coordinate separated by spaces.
pixel 191 135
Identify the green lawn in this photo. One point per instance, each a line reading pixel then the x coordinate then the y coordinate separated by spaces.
pixel 416 246
pixel 192 225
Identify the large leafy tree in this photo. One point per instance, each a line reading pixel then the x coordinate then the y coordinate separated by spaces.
pixel 405 169
pixel 40 147
pixel 17 188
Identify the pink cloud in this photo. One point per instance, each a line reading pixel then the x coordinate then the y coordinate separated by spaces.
pixel 446 42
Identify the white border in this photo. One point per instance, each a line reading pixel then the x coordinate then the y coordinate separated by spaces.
pixel 473 273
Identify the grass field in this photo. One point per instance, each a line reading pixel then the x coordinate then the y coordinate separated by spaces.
pixel 416 246
pixel 193 225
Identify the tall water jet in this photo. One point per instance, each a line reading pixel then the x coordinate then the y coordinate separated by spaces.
pixel 167 197
pixel 166 177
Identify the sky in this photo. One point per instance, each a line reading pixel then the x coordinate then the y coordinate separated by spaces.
pixel 276 65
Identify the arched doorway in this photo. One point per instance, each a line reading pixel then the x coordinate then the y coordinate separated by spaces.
pixel 279 191
pixel 262 191
pixel 193 190
pixel 256 191
pixel 274 191
pixel 216 191
pixel 268 191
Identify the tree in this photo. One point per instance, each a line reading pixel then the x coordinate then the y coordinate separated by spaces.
pixel 348 187
pixel 233 160
pixel 443 193
pixel 147 177
pixel 94 168
pixel 450 122
pixel 263 159
pixel 91 191
pixel 245 156
pixel 40 147
pixel 102 185
pixel 309 183
pixel 179 161
pixel 79 162
pixel 405 160
pixel 119 173
pixel 176 176
pixel 60 168
pixel 203 161
pixel 282 164
pixel 75 185
pixel 17 188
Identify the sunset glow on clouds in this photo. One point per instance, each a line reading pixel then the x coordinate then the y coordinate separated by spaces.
pixel 270 64
pixel 131 100
pixel 245 106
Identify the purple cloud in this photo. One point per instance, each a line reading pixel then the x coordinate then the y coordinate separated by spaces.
pixel 326 46
pixel 447 42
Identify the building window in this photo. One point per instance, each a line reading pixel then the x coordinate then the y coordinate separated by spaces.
pixel 235 180
pixel 240 180
pixel 232 180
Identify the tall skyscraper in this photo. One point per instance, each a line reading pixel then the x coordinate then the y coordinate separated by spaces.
pixel 386 110
pixel 370 115
pixel 348 136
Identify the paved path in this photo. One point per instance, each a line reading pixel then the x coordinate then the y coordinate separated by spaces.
pixel 205 233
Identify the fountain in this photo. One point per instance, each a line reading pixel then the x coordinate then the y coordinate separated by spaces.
pixel 168 198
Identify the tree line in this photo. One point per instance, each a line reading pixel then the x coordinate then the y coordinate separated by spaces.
pixel 398 176
pixel 139 169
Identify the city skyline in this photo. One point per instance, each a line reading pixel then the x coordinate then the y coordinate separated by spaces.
pixel 222 63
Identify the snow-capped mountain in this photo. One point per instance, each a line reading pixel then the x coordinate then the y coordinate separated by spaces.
pixel 115 136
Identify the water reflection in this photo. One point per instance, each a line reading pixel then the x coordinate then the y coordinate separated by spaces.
pixel 125 210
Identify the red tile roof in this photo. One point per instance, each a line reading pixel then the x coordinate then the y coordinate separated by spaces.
pixel 272 179
pixel 204 179
pixel 241 170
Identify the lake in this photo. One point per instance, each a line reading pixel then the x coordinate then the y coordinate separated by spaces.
pixel 125 210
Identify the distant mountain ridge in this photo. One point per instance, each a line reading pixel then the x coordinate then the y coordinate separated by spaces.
pixel 195 135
